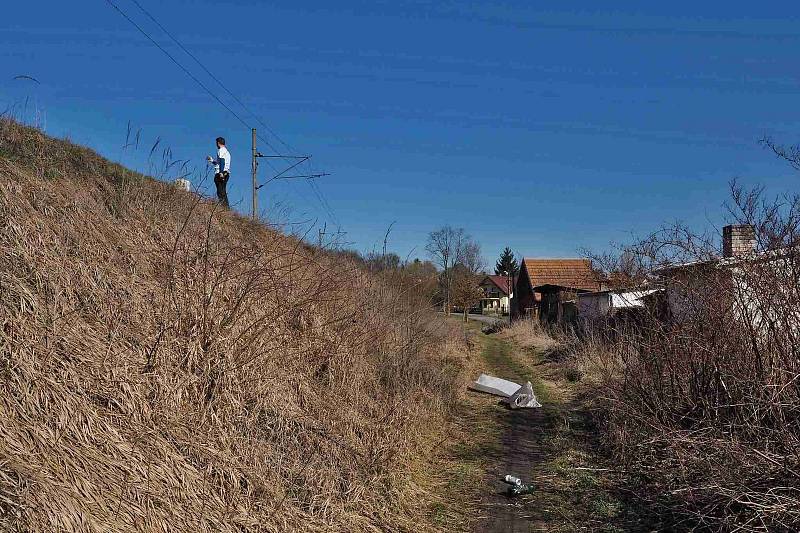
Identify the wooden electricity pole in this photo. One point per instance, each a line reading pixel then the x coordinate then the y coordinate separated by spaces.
pixel 255 186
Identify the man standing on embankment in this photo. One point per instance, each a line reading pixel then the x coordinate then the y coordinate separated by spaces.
pixel 222 167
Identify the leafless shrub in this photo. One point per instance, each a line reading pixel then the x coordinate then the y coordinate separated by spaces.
pixel 705 390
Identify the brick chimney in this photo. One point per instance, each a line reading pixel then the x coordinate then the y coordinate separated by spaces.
pixel 738 239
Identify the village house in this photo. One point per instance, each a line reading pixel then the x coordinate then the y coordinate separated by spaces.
pixel 744 282
pixel 743 279
pixel 547 288
pixel 496 295
pixel 568 290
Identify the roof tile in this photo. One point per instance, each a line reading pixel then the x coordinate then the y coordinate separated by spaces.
pixel 574 273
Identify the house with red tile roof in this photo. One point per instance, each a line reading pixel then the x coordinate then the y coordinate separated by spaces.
pixel 496 292
pixel 566 275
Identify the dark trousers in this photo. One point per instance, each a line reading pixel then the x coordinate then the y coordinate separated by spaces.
pixel 221 181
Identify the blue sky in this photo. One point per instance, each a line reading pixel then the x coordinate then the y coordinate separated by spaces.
pixel 543 128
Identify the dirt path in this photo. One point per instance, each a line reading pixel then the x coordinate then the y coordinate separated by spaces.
pixel 521 452
pixel 554 447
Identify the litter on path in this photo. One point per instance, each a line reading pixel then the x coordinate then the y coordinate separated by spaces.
pixel 496 386
pixel 517 486
pixel 524 397
pixel 514 394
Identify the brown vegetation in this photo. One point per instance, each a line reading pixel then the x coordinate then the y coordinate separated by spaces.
pixel 465 291
pixel 704 400
pixel 529 333
pixel 166 365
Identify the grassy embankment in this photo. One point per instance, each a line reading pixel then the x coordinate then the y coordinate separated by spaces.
pixel 169 366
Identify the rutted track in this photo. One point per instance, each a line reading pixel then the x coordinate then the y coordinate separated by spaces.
pixel 554 448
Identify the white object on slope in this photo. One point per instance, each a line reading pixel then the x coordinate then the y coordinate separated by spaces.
pixel 524 397
pixel 184 184
pixel 496 386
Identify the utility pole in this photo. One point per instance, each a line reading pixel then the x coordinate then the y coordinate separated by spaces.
pixel 322 233
pixel 339 234
pixel 510 288
pixel 254 169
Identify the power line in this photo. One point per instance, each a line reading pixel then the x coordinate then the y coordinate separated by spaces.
pixel 200 83
pixel 323 202
pixel 307 160
pixel 184 69
pixel 219 82
pixel 317 192
pixel 227 90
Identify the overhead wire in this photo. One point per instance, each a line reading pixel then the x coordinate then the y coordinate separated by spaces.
pixel 307 163
pixel 216 79
pixel 317 192
pixel 184 69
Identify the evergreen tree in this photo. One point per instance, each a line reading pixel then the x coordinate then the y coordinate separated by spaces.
pixel 506 263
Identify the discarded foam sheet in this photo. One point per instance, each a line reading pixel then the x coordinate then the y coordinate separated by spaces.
pixel 496 386
pixel 515 395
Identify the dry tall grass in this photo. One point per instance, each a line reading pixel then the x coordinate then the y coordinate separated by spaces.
pixel 529 333
pixel 168 366
pixel 705 391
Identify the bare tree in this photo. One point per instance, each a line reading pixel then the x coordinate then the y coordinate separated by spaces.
pixel 469 256
pixel 444 247
pixel 449 247
pixel 466 279
pixel 466 289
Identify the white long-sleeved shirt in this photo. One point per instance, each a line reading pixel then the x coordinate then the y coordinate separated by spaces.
pixel 223 161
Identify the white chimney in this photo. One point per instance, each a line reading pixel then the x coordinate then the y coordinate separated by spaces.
pixel 738 239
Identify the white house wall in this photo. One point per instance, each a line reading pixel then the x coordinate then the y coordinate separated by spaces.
pixel 592 306
pixel 763 298
pixel 760 295
pixel 628 299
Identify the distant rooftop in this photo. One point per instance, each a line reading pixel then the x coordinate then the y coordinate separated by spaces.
pixel 573 273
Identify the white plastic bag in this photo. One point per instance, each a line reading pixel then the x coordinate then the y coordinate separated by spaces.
pixel 524 397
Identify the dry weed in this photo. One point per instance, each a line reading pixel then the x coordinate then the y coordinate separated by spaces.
pixel 168 366
pixel 530 334
pixel 704 387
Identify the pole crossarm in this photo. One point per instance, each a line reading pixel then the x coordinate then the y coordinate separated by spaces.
pixel 307 176
pixel 280 175
pixel 303 157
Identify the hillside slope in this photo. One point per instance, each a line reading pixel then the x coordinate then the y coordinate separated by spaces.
pixel 168 366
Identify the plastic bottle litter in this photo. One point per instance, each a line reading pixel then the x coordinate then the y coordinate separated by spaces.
pixel 517 486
